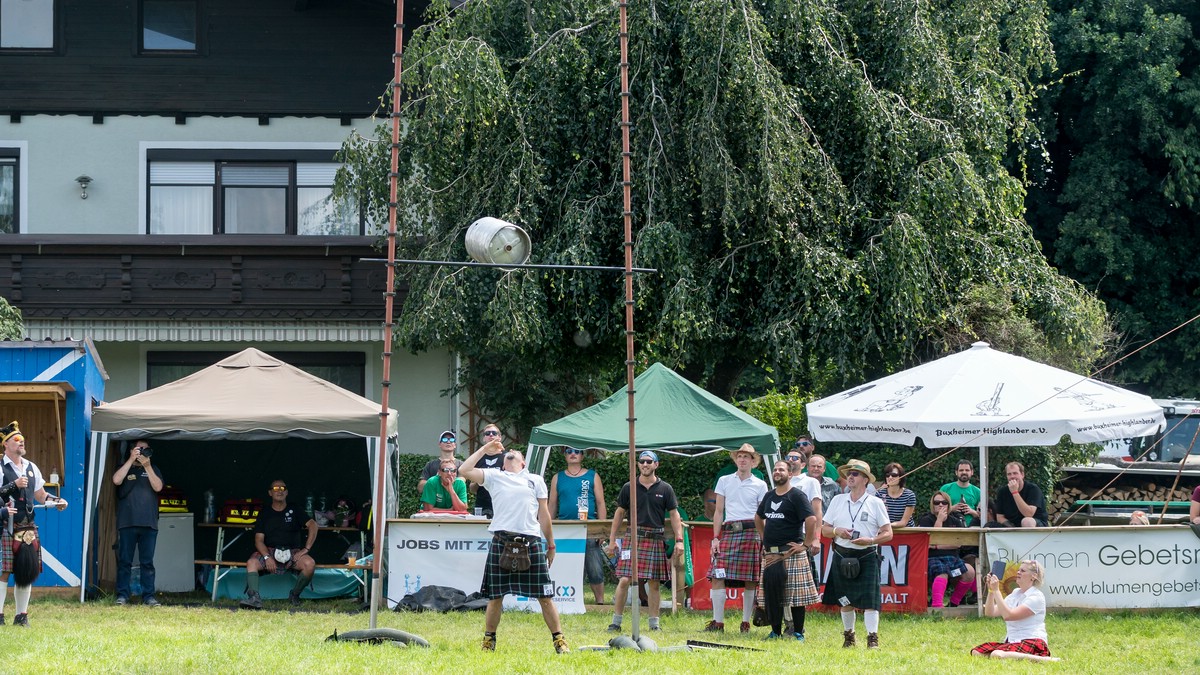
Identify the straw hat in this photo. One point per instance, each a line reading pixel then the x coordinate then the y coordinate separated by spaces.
pixel 856 465
pixel 746 447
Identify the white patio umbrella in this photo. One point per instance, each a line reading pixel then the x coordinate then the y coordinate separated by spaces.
pixel 983 397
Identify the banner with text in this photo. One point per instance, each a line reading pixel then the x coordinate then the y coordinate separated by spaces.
pixel 1134 567
pixel 453 554
pixel 903 575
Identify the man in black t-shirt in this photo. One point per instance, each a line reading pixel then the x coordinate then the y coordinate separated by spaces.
pixel 277 536
pixel 138 484
pixel 789 529
pixel 1019 503
pixel 493 458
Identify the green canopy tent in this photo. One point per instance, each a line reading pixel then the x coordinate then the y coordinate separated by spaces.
pixel 673 416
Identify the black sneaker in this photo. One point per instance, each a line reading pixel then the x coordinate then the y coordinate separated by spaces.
pixel 122 600
pixel 151 602
pixel 1 619
pixel 252 601
pixel 614 628
pixel 21 619
pixel 294 598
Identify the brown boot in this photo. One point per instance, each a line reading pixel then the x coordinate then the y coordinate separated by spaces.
pixel 848 639
pixel 872 640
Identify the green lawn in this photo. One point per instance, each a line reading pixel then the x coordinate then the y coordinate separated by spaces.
pixel 188 635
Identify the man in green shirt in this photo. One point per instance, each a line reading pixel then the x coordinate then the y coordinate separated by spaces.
pixel 446 491
pixel 964 497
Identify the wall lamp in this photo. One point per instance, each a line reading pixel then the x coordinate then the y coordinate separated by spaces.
pixel 83 181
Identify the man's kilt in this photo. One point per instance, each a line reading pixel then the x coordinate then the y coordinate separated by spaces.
pixel 800 590
pixel 741 557
pixel 533 582
pixel 280 568
pixel 863 592
pixel 9 542
pixel 652 557
pixel 1035 646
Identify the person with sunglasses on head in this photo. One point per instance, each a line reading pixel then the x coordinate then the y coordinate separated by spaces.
pixel 736 545
pixel 899 500
pixel 448 492
pixel 944 561
pixel 492 458
pixel 522 536
pixel 138 484
pixel 656 504
pixel 1024 614
pixel 858 523
pixel 277 546
pixel 576 491
pixel 447 446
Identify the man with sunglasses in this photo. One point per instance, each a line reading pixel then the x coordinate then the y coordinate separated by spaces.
pixel 577 491
pixel 447 446
pixel 521 529
pixel 806 446
pixel 858 523
pixel 277 548
pixel 448 492
pixel 493 458
pixel 656 502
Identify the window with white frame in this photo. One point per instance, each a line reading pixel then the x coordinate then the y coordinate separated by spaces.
pixel 27 24
pixel 249 193
pixel 8 191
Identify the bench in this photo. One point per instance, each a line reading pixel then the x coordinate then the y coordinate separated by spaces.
pixel 320 566
pixel 221 568
pixel 1123 509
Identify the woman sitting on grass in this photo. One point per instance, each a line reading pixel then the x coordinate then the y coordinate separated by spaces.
pixel 1024 614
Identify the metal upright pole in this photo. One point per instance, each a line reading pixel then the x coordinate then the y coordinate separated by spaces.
pixel 389 295
pixel 627 216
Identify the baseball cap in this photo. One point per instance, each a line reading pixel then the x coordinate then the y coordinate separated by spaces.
pixel 445 434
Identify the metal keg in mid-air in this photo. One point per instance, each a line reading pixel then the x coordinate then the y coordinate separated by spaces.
pixel 491 240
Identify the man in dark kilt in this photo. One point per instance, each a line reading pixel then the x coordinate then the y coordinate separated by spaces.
pixel 655 502
pixel 858 523
pixel 736 546
pixel 20 547
pixel 788 527
pixel 518 558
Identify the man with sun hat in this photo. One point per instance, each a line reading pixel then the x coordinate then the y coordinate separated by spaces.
pixel 736 546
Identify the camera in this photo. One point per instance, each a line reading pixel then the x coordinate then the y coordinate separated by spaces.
pixel 147 452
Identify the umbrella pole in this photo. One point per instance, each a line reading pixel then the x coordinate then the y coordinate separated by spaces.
pixel 980 589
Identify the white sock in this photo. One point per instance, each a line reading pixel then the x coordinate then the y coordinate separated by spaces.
pixel 748 604
pixel 848 619
pixel 871 620
pixel 617 619
pixel 718 603
pixel 654 622
pixel 3 594
pixel 21 595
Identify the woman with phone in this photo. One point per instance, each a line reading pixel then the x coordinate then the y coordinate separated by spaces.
pixel 1024 614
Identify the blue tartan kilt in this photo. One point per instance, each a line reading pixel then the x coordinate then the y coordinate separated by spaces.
pixel 946 564
pixel 533 582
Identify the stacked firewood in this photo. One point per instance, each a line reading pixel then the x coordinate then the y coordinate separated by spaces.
pixel 1064 498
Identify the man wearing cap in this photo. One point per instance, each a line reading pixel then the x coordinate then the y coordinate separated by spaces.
pixel 736 546
pixel 20 547
pixel 858 523
pixel 575 492
pixel 447 445
pixel 655 502
pixel 788 527
pixel 522 535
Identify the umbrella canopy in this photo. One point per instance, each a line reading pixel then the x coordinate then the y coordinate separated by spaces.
pixel 981 396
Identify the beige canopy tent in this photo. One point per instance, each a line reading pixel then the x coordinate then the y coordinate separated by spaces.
pixel 250 396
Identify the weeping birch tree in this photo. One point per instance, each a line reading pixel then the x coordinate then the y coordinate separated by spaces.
pixel 828 190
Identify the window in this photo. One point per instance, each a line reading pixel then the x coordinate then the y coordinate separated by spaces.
pixel 345 369
pixel 247 193
pixel 27 24
pixel 168 25
pixel 8 191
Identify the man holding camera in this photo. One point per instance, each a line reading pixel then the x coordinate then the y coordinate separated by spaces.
pixel 277 548
pixel 138 484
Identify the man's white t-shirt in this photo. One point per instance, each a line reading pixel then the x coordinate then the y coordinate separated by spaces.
pixel 1030 628
pixel 515 500
pixel 742 497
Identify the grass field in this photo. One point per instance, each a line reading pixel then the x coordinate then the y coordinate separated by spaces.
pixel 188 635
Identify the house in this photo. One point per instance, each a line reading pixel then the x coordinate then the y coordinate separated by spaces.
pixel 165 173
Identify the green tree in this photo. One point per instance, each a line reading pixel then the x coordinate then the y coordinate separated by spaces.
pixel 1117 198
pixel 822 187
pixel 11 325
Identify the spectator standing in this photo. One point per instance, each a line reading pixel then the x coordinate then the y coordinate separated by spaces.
pixel 656 502
pixel 736 546
pixel 1018 503
pixel 573 491
pixel 964 496
pixel 829 486
pixel 944 561
pixel 858 523
pixel 789 531
pixel 899 500
pixel 492 458
pixel 447 445
pixel 138 484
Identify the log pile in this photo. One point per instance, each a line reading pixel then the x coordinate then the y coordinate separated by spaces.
pixel 1064 498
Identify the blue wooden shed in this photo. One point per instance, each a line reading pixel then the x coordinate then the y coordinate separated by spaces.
pixel 50 388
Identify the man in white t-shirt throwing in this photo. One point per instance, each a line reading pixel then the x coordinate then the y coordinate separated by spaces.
pixel 521 536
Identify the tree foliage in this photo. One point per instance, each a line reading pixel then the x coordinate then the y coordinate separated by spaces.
pixel 1118 199
pixel 823 188
pixel 12 327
